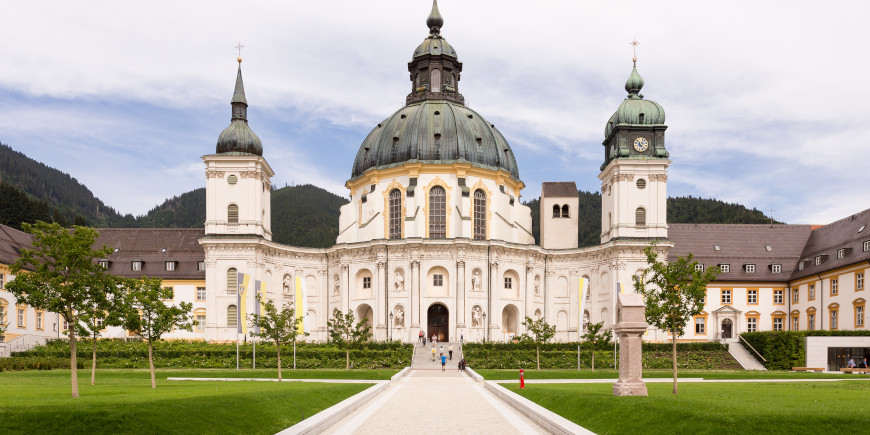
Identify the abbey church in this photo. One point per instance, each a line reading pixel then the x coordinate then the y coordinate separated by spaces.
pixel 436 239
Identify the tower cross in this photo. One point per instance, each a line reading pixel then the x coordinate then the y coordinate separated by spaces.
pixel 240 47
pixel 634 45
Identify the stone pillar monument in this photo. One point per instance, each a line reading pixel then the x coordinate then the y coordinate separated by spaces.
pixel 631 325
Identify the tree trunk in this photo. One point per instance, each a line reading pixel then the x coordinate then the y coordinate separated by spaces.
pixel 278 345
pixel 151 363
pixel 593 359
pixel 538 355
pixel 74 373
pixel 94 360
pixel 674 335
pixel 347 363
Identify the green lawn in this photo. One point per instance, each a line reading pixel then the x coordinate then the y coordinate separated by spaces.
pixel 750 408
pixel 123 401
pixel 492 375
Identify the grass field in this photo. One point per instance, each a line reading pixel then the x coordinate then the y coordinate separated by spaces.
pixel 722 408
pixel 123 401
pixel 492 375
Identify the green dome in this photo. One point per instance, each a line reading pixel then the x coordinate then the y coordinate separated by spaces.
pixel 238 136
pixel 634 110
pixel 435 45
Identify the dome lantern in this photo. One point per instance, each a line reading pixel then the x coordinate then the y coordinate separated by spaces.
pixel 434 67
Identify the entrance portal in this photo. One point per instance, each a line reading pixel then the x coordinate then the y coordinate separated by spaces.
pixel 726 328
pixel 439 322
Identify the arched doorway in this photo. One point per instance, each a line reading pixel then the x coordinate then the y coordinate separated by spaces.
pixel 727 326
pixel 438 322
pixel 364 311
pixel 510 321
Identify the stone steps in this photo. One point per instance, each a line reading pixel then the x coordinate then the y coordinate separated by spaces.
pixel 423 356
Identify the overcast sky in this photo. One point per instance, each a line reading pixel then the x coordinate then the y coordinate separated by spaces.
pixel 765 101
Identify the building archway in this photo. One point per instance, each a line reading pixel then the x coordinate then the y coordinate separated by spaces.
pixel 727 328
pixel 364 311
pixel 510 321
pixel 438 322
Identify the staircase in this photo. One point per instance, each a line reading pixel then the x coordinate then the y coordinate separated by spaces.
pixel 423 356
pixel 743 356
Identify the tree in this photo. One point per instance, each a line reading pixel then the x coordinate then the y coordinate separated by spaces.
pixel 539 331
pixel 106 309
pixel 344 332
pixel 594 336
pixel 673 293
pixel 280 326
pixel 59 275
pixel 150 317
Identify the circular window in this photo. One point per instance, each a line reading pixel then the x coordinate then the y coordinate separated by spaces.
pixel 232 179
pixel 641 183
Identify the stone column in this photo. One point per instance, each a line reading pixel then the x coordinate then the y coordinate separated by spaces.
pixel 530 294
pixel 460 294
pixel 630 327
pixel 494 316
pixel 415 294
pixel 345 287
pixel 379 312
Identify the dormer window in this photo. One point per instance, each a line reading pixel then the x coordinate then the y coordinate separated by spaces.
pixel 724 268
pixel 818 260
pixel 104 264
pixel 866 245
pixel 749 268
pixel 801 265
pixel 170 265
pixel 137 264
pixel 699 267
pixel 776 268
pixel 841 253
pixel 200 266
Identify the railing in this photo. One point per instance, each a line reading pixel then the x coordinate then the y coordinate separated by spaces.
pixel 750 346
pixel 20 344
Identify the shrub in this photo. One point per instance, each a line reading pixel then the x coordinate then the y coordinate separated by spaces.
pixel 35 363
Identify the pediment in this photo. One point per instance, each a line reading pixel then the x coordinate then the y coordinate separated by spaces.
pixel 727 309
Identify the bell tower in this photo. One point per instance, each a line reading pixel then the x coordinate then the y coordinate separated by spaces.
pixel 634 173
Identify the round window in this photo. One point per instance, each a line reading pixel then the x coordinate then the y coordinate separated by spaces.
pixel 641 183
pixel 232 179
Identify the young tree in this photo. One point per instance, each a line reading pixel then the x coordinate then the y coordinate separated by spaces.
pixel 60 275
pixel 596 337
pixel 107 307
pixel 343 331
pixel 539 331
pixel 673 293
pixel 280 326
pixel 149 315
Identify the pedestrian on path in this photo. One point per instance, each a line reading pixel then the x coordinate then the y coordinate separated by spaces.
pixel 441 351
pixel 443 363
pixel 434 340
pixel 450 351
pixel 421 338
pixel 461 337
pixel 433 352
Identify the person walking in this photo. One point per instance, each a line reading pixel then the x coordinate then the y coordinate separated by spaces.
pixel 421 338
pixel 450 351
pixel 441 351
pixel 443 363
pixel 433 352
pixel 434 340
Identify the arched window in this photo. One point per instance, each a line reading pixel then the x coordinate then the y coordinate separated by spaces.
pixel 232 317
pixel 437 212
pixel 479 214
pixel 233 214
pixel 395 214
pixel 640 217
pixel 565 211
pixel 435 80
pixel 232 281
pixel 557 212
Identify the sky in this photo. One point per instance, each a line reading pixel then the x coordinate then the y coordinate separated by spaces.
pixel 765 101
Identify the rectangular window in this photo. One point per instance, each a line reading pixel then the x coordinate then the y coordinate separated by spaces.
pixel 137 265
pixel 859 316
pixel 751 324
pixel 834 319
pixel 750 268
pixel 22 317
pixel 200 293
pixel 170 266
pixel 40 315
pixel 835 286
pixel 795 295
pixel 859 281
pixel 104 264
pixel 725 268
pixel 200 322
pixel 795 323
pixel 508 282
pixel 699 267
pixel 778 297
pixel 700 326
pixel 200 266
pixel 811 294
pixel 100 323
pixel 841 253
pixel 367 282
pixel 2 281
pixel 438 280
pixel 776 268
pixel 811 321
pixel 801 265
pixel 867 245
pixel 777 323
pixel 752 296
pixel 726 296
pixel 818 260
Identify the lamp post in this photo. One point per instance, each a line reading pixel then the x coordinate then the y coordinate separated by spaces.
pixel 485 327
pixel 391 326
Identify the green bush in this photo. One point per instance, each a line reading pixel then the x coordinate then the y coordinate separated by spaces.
pixel 35 363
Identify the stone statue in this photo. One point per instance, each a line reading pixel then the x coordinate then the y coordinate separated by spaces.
pixel 400 282
pixel 475 281
pixel 336 288
pixel 586 321
pixel 537 285
pixel 286 284
pixel 399 319
pixel 475 317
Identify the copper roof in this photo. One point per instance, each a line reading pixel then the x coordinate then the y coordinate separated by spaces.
pixel 562 189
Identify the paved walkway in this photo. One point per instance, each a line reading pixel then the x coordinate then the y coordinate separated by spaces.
pixel 429 401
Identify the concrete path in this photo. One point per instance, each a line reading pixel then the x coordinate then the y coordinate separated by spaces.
pixel 429 401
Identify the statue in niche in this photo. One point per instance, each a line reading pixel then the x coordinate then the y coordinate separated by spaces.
pixel 400 281
pixel 336 287
pixel 476 317
pixel 399 319
pixel 475 281
pixel 537 285
pixel 286 284
pixel 585 321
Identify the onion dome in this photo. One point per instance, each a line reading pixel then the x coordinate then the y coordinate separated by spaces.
pixel 434 44
pixel 238 137
pixel 435 132
pixel 634 110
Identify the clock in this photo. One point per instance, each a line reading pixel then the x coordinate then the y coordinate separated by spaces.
pixel 641 144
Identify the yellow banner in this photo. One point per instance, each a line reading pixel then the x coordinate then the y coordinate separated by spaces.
pixel 582 297
pixel 300 304
pixel 243 302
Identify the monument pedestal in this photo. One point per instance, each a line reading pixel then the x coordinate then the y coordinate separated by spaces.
pixel 630 327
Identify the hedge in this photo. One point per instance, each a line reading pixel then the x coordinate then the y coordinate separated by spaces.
pixel 35 363
pixel 786 349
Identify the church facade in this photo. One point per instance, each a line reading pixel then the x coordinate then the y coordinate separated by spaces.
pixel 435 238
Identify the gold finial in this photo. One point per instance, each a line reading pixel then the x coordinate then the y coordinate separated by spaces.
pixel 634 47
pixel 240 47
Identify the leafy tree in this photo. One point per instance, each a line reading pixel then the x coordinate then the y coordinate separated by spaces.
pixel 673 293
pixel 280 326
pixel 107 307
pixel 539 331
pixel 596 337
pixel 150 317
pixel 344 332
pixel 60 275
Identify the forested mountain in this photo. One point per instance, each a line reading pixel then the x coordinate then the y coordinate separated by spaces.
pixel 303 215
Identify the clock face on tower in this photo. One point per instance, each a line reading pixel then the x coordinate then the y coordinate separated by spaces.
pixel 641 144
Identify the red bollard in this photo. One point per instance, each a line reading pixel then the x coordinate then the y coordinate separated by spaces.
pixel 522 379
